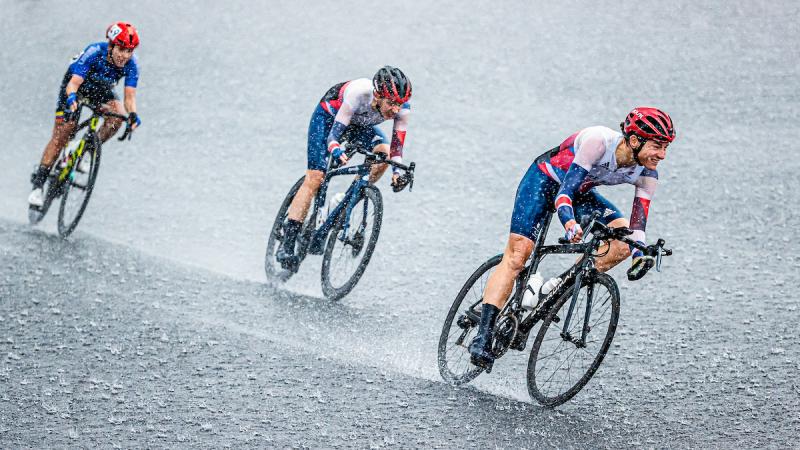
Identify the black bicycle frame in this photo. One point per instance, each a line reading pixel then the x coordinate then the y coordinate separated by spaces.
pixel 349 201
pixel 362 171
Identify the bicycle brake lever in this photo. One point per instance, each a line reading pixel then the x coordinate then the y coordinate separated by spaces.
pixel 127 134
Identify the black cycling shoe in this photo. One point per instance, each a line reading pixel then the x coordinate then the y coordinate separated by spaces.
pixel 285 254
pixel 288 260
pixel 480 349
pixel 39 176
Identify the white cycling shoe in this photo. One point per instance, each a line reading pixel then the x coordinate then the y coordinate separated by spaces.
pixel 36 197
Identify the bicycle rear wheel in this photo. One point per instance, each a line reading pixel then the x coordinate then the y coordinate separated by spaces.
pixel 461 326
pixel 77 189
pixel 272 268
pixel 558 367
pixel 347 254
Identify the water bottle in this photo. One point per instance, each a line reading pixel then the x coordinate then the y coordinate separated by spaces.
pixel 321 217
pixel 530 298
pixel 551 284
pixel 335 201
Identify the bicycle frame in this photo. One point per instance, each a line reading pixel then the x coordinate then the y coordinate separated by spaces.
pixel 582 268
pixel 362 171
pixel 93 123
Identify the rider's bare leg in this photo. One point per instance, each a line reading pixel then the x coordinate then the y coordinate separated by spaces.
pixel 111 124
pixel 377 170
pixel 61 132
pixel 302 200
pixel 501 281
pixel 619 250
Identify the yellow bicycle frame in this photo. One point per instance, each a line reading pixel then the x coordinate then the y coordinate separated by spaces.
pixel 93 124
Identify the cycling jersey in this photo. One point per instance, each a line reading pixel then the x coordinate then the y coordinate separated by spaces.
pixel 351 104
pixel 587 159
pixel 565 178
pixel 93 66
pixel 99 77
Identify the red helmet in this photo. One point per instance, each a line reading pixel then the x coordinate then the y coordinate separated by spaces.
pixel 390 82
pixel 649 123
pixel 122 34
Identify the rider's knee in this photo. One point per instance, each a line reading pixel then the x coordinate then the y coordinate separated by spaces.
pixel 381 148
pixel 620 250
pixel 519 249
pixel 314 179
pixel 114 123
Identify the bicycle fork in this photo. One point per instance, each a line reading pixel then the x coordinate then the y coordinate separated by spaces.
pixel 565 334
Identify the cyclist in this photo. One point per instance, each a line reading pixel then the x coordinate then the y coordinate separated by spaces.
pixel 565 177
pixel 349 111
pixel 91 77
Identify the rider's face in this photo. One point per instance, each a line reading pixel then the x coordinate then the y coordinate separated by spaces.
pixel 387 108
pixel 652 153
pixel 120 56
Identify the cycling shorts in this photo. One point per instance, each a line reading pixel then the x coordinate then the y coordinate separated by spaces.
pixel 535 196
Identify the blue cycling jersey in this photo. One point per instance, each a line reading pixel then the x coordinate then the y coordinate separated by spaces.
pixel 94 67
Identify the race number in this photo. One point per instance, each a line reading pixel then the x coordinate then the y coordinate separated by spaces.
pixel 113 32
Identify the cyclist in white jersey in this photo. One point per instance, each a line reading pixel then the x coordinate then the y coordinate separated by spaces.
pixel 565 178
pixel 350 111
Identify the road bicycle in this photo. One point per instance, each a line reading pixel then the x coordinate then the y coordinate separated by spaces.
pixel 351 227
pixel 74 174
pixel 578 318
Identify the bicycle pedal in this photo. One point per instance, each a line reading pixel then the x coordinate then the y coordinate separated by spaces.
pixel 317 246
pixel 520 342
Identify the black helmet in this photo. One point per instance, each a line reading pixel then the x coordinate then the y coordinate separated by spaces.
pixel 390 82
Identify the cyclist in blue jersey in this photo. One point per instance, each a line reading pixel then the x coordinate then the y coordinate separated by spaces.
pixel 564 179
pixel 350 111
pixel 91 77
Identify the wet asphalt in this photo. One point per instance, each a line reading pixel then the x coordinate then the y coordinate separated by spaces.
pixel 153 325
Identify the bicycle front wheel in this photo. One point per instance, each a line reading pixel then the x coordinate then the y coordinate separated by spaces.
pixel 351 243
pixel 78 187
pixel 561 363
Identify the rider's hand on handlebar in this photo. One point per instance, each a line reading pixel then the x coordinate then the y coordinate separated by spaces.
pixel 339 154
pixel 72 102
pixel 399 182
pixel 574 231
pixel 641 265
pixel 134 121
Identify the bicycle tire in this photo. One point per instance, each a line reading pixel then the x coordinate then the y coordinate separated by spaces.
pixel 65 228
pixel 534 388
pixel 368 194
pixel 271 267
pixel 457 373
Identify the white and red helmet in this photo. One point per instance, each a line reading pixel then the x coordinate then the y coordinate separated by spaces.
pixel 122 34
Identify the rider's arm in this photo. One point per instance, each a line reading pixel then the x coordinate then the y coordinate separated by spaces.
pixel 399 135
pixel 74 83
pixel 589 151
pixel 130 99
pixel 131 81
pixel 645 188
pixel 130 106
pixel 340 123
